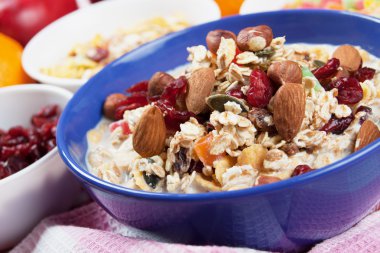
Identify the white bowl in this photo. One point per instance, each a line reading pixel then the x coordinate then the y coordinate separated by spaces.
pixel 44 187
pixel 53 43
pixel 255 6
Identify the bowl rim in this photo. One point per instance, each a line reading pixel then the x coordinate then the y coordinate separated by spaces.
pixel 52 153
pixel 72 83
pixel 90 179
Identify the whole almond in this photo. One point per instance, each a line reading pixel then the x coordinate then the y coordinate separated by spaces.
pixel 150 133
pixel 289 109
pixel 285 72
pixel 368 133
pixel 158 82
pixel 201 84
pixel 349 57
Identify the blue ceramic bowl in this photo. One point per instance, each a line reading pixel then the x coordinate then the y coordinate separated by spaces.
pixel 286 216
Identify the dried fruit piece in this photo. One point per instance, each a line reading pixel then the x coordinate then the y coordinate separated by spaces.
pixel 237 93
pixel 217 102
pixel 349 90
pixel 255 38
pixel 111 103
pixel 150 133
pixel 337 126
pixel 260 90
pixel 261 118
pixel 290 149
pixel 301 169
pixel 289 110
pixel 365 109
pixel 213 39
pixel 138 87
pixel 207 184
pixel 201 84
pixel 202 149
pixel 158 82
pixel 285 72
pixel 97 54
pixel 328 70
pixel 254 156
pixel 365 74
pixel 368 133
pixel 349 57
pixel 264 179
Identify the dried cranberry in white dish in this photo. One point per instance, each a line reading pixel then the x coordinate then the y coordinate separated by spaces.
pixel 247 110
pixel 21 146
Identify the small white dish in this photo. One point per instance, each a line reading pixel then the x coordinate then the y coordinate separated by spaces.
pixel 53 43
pixel 255 6
pixel 44 187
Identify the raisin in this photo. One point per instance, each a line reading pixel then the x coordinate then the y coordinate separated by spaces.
pixel 337 126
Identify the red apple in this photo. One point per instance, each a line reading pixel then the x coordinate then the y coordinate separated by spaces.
pixel 22 19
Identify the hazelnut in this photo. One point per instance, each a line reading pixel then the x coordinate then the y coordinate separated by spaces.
pixel 158 82
pixel 285 72
pixel 110 104
pixel 213 39
pixel 255 38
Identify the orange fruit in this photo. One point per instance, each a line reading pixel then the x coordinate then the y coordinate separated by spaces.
pixel 229 7
pixel 11 71
pixel 202 149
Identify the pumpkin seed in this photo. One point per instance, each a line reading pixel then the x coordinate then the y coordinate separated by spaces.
pixel 217 101
pixel 267 52
pixel 318 63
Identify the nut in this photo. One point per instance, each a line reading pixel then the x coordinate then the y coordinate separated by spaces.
pixel 158 82
pixel 368 133
pixel 213 39
pixel 349 57
pixel 150 133
pixel 254 156
pixel 285 72
pixel 201 84
pixel 264 179
pixel 255 38
pixel 289 110
pixel 110 104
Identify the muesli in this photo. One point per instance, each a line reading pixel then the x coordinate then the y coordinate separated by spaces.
pixel 246 111
pixel 86 59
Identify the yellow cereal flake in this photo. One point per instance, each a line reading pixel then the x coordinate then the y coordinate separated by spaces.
pixel 254 156
pixel 208 185
pixel 221 165
pixel 94 136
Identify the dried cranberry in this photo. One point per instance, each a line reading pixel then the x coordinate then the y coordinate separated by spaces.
pixel 328 70
pixel 260 90
pixel 364 74
pixel 48 111
pixel 97 54
pixel 174 89
pixel 138 87
pixel 365 109
pixel 19 147
pixel 349 90
pixel 4 171
pixel 337 126
pixel 136 100
pixel 301 169
pixel 236 93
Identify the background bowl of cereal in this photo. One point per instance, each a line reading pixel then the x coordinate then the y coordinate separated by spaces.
pixel 72 49
pixel 288 215
pixel 43 185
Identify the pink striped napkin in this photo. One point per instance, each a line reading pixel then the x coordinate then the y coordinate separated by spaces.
pixel 91 229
